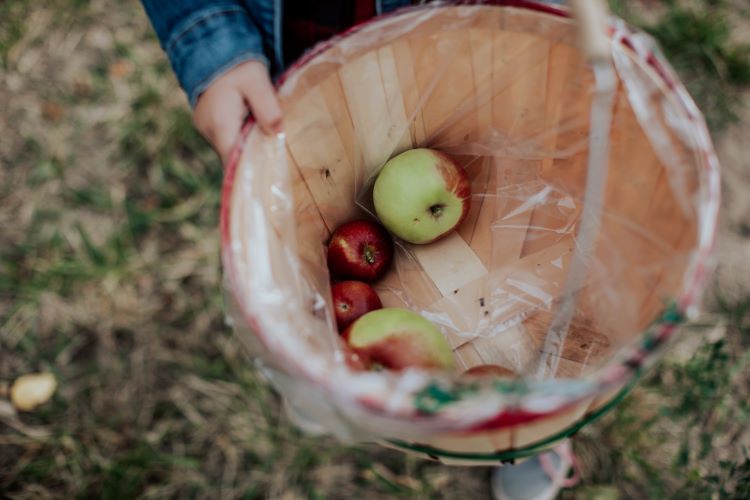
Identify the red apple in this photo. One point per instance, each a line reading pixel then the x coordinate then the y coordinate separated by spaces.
pixel 488 371
pixel 422 195
pixel 360 250
pixel 397 339
pixel 352 359
pixel 352 299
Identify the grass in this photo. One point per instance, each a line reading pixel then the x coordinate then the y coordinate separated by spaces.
pixel 110 278
pixel 697 38
pixel 675 435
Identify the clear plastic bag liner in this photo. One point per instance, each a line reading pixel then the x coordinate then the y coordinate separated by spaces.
pixel 504 92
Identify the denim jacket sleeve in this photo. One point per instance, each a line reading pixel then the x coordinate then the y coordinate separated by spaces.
pixel 203 39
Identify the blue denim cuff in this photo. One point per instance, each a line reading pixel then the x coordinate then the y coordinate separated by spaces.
pixel 210 42
pixel 384 6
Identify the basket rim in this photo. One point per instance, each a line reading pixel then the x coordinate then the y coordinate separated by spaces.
pixel 534 448
pixel 652 339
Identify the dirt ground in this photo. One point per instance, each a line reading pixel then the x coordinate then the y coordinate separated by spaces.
pixel 733 256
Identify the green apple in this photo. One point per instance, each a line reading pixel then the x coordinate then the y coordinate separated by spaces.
pixel 421 195
pixel 396 339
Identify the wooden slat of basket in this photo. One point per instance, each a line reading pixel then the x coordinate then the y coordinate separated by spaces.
pixel 311 230
pixel 544 271
pixel 275 239
pixel 668 281
pixel 664 200
pixel 524 435
pixel 627 273
pixel 473 305
pixel 565 96
pixel 665 217
pixel 443 73
pixel 665 285
pixel 483 175
pixel 567 109
pixel 467 356
pixel 634 169
pixel 519 83
pixel 377 110
pixel 640 190
pixel 390 291
pixel 480 442
pixel 494 247
pixel 409 91
pixel 400 120
pixel 584 343
pixel 320 155
pixel 480 237
pixel 297 86
pixel 450 263
pixel 305 207
pixel 461 137
pixel 569 99
pixel 471 116
pixel 567 368
pixel 333 94
pixel 634 172
pixel 511 348
pixel 553 221
pixel 539 24
pixel 508 222
pixel 481 64
pixel 416 290
pixel 519 79
pixel 479 172
pixel 517 349
pixel 502 440
pixel 468 312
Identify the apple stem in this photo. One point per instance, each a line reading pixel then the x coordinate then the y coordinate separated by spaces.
pixel 436 210
pixel 369 255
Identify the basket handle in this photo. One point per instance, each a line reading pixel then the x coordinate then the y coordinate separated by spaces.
pixel 591 18
pixel 594 41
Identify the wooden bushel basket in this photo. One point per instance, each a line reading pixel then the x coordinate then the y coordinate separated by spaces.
pixel 503 89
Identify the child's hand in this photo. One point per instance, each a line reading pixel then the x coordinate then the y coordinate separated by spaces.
pixel 220 110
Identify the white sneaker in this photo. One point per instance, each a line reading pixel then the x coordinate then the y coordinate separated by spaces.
pixel 538 478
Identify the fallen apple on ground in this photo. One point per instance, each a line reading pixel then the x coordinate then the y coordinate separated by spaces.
pixel 32 390
pixel 352 299
pixel 421 195
pixel 360 250
pixel 396 339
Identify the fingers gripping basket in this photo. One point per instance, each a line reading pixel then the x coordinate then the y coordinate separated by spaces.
pixel 501 88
